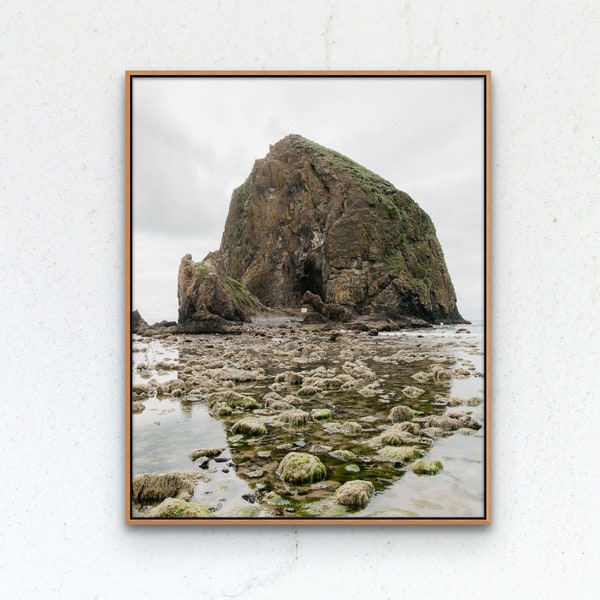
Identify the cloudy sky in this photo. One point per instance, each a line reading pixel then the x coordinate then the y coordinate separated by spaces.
pixel 196 139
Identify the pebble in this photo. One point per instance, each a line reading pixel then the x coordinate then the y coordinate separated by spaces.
pixel 255 474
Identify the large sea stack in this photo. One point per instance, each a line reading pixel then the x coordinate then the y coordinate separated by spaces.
pixel 308 219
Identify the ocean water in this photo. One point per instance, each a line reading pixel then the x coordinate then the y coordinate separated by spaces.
pixel 459 489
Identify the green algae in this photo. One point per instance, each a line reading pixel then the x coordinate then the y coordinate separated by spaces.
pixel 427 467
pixel 301 467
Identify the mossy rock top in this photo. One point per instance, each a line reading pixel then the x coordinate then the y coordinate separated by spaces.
pixel 174 508
pixel 301 467
pixel 249 426
pixel 354 494
pixel 427 467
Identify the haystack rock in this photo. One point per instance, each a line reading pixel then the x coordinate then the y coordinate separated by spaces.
pixel 308 219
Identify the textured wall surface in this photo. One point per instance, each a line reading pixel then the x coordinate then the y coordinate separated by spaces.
pixel 62 300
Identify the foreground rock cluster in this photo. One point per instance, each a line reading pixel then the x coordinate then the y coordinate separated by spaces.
pixel 316 423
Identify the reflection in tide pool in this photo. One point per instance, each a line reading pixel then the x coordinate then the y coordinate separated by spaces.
pixel 459 488
pixel 168 430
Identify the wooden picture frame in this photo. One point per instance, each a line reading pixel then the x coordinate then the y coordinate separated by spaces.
pixel 384 400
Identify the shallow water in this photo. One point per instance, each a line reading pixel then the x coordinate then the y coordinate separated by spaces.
pixel 458 490
pixel 168 430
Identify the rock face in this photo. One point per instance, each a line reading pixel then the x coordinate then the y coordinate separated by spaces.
pixel 205 290
pixel 309 219
pixel 138 325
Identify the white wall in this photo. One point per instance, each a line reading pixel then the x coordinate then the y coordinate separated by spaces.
pixel 62 248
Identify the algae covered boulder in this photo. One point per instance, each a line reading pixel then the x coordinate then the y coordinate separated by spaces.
pixel 301 467
pixel 154 487
pixel 174 508
pixel 320 414
pixel 354 494
pixel 401 454
pixel 207 452
pixel 294 417
pixel 427 467
pixel 401 413
pixel 249 426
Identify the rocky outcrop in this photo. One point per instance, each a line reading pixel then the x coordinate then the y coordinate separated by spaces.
pixel 332 312
pixel 310 220
pixel 138 325
pixel 205 290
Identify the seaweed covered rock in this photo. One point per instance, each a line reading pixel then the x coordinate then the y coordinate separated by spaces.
pixel 401 413
pixel 427 467
pixel 354 494
pixel 137 407
pixel 249 426
pixel 301 467
pixel 294 417
pixel 208 452
pixel 154 487
pixel 308 219
pixel 174 508
pixel 401 454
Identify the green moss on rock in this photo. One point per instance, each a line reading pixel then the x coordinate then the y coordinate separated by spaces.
pixel 320 414
pixel 301 467
pixel 401 413
pixel 402 454
pixel 249 426
pixel 354 494
pixel 154 487
pixel 294 417
pixel 174 508
pixel 427 467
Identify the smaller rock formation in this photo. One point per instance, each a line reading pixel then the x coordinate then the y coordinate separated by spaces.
pixel 138 325
pixel 249 426
pixel 331 311
pixel 205 292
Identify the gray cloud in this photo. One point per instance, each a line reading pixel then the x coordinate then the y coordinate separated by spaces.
pixel 196 139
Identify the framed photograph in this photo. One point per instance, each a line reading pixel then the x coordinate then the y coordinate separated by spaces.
pixel 308 297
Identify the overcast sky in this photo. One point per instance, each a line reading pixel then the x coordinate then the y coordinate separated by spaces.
pixel 196 139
